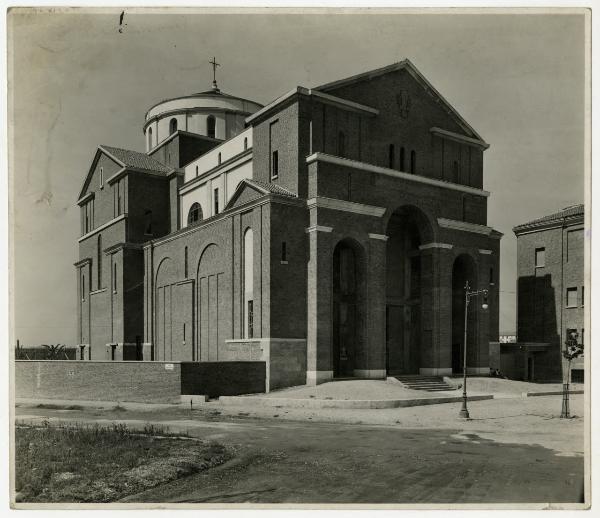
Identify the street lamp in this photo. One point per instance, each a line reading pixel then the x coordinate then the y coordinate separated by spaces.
pixel 464 413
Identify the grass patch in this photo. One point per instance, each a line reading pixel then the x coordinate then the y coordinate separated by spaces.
pixel 81 463
pixel 52 406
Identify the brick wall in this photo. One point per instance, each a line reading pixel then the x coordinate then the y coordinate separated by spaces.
pixel 223 378
pixel 151 382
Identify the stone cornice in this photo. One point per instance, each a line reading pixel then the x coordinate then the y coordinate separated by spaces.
pixel 318 228
pixel 102 227
pixel 89 196
pixel 380 237
pixel 464 226
pixel 83 262
pixel 363 166
pixel 457 137
pixel 427 246
pixel 347 206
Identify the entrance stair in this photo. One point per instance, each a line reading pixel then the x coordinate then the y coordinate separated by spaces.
pixel 427 383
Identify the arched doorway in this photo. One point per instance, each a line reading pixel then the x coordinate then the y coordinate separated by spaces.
pixel 408 228
pixel 348 307
pixel 210 301
pixel 463 271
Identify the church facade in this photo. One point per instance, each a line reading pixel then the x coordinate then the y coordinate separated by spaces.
pixel 329 233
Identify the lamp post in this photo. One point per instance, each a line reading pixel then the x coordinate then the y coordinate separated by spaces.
pixel 464 412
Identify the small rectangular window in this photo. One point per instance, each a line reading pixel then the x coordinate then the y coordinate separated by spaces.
pixel 571 297
pixel 540 257
pixel 275 165
pixel 102 178
pixel 115 278
pixel 492 280
pixel 83 287
pixel 582 296
pixel 284 252
pixel 250 319
pixel 216 198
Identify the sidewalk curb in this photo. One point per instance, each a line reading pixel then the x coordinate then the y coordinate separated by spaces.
pixel 343 403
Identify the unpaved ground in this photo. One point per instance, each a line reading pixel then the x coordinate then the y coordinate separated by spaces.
pixel 513 450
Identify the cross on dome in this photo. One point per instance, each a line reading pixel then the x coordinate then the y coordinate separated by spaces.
pixel 214 66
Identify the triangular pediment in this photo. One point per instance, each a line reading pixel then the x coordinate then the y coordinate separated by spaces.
pixel 344 85
pixel 245 192
pixel 92 169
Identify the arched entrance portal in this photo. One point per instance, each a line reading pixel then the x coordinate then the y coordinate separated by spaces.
pixel 348 307
pixel 407 229
pixel 464 270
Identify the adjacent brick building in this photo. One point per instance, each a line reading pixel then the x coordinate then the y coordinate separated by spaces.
pixel 329 233
pixel 551 293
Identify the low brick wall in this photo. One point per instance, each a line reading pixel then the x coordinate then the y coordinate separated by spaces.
pixel 146 382
pixel 223 378
pixel 143 382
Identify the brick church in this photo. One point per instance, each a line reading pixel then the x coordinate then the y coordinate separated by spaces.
pixel 329 234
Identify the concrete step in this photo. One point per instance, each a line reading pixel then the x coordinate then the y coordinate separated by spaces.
pixel 426 383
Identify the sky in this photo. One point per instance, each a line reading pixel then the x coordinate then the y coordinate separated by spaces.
pixel 76 82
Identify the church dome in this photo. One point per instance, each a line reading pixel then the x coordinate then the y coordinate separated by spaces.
pixel 212 113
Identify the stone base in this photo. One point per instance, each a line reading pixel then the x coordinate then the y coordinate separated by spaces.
pixel 318 377
pixel 478 371
pixel 435 371
pixel 370 373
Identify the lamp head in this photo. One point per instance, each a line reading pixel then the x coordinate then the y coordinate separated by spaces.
pixel 484 305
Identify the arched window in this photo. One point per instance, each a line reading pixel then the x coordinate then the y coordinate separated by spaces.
pixel 195 214
pixel 402 164
pixel 99 261
pixel 210 126
pixel 391 157
pixel 341 144
pixel 149 138
pixel 413 162
pixel 245 143
pixel 172 126
pixel 248 272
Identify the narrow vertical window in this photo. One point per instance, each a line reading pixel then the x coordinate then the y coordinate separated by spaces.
pixel 83 287
pixel 87 218
pixel 184 332
pixel 172 126
pixel 391 156
pixel 464 208
pixel 250 319
pixel 196 170
pixel 216 201
pixel 245 143
pixel 582 298
pixel 492 281
pixel 149 139
pixel 274 165
pixel 219 159
pixel 210 126
pixel 99 261
pixel 455 172
pixel 185 262
pixel 115 277
pixel 402 164
pixel 341 144
pixel 284 252
pixel 413 162
pixel 102 178
pixel 248 282
pixel 119 198
pixel 148 223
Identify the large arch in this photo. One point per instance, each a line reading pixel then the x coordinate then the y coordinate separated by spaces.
pixel 349 308
pixel 210 294
pixel 163 332
pixel 408 228
pixel 464 270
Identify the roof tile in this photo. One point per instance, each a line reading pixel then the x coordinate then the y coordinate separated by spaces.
pixel 137 159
